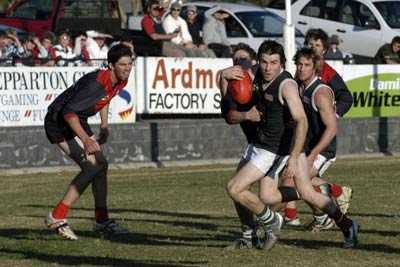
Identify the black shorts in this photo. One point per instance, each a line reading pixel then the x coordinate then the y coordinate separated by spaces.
pixel 58 131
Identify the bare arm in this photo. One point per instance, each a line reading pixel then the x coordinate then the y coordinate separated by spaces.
pixel 231 73
pixel 290 94
pixel 159 36
pixel 324 101
pixel 234 117
pixel 90 145
pixel 104 116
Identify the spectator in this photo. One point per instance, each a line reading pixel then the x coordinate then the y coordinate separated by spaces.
pixel 127 41
pixel 13 47
pixel 3 44
pixel 47 42
pixel 33 51
pixel 97 47
pixel 63 50
pixel 334 53
pixel 389 53
pixel 214 31
pixel 174 23
pixel 159 41
pixel 80 48
pixel 195 30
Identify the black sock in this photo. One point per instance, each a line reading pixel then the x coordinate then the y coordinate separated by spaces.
pixel 341 220
pixel 245 215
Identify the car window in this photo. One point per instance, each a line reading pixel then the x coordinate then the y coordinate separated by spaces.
pixel 233 28
pixel 32 9
pixel 358 14
pixel 323 9
pixel 279 4
pixel 263 24
pixel 90 9
pixel 390 11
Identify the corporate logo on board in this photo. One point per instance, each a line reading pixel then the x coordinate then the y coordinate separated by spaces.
pixel 127 107
pixel 375 95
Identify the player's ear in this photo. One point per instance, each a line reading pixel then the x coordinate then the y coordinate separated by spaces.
pixel 111 66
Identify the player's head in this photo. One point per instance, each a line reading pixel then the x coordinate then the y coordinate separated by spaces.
pixel 120 61
pixel 317 39
pixel 307 64
pixel 271 58
pixel 396 44
pixel 243 55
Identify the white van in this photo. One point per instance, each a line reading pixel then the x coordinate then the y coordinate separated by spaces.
pixel 363 25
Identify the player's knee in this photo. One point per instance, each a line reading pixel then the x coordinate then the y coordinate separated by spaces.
pixel 101 161
pixel 233 190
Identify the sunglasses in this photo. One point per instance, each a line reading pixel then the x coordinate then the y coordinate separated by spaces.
pixel 175 9
pixel 157 8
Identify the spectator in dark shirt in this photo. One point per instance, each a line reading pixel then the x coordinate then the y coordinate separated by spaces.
pixel 389 53
pixel 195 30
pixel 334 53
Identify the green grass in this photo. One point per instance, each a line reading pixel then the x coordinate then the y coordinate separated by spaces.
pixel 183 217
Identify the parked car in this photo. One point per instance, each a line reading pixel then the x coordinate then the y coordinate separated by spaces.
pixel 39 16
pixel 363 25
pixel 247 23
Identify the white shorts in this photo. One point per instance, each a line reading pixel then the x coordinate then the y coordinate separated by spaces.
pixel 267 162
pixel 321 164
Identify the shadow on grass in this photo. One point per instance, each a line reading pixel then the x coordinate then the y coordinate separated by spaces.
pixel 95 261
pixel 317 244
pixel 378 215
pixel 150 212
pixel 131 238
pixel 390 233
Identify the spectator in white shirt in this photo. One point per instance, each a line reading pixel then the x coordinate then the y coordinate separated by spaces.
pixel 173 23
pixel 97 47
pixel 65 56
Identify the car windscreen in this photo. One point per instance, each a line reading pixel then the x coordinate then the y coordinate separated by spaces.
pixel 390 11
pixel 263 23
pixel 30 9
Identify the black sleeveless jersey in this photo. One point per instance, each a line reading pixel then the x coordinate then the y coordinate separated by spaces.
pixel 275 131
pixel 316 127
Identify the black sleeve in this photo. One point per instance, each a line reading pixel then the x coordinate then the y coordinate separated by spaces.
pixel 343 96
pixel 227 104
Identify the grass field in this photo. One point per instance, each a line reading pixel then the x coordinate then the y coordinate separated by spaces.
pixel 183 217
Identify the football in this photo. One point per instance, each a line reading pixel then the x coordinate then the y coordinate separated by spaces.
pixel 241 91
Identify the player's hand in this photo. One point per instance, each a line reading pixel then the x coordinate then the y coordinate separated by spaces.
pixel 310 160
pixel 233 73
pixel 253 114
pixel 103 135
pixel 291 168
pixel 91 146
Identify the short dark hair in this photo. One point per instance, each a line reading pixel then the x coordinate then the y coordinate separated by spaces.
pixel 118 51
pixel 308 53
pixel 245 47
pixel 396 40
pixel 271 47
pixel 317 34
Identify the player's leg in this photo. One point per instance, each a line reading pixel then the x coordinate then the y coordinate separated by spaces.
pixel 324 203
pixel 290 208
pixel 341 194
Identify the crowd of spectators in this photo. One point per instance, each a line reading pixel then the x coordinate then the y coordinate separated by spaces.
pixel 85 49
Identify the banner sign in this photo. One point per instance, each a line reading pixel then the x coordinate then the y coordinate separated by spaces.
pixel 26 92
pixel 375 90
pixel 182 86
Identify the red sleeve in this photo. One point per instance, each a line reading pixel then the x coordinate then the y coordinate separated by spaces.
pixel 148 25
pixel 52 53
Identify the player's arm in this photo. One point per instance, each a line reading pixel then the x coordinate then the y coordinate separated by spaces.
pixel 323 100
pixel 90 145
pixel 290 94
pixel 231 73
pixel 234 116
pixel 343 97
pixel 104 133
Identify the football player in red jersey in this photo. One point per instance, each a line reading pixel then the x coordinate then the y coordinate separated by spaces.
pixel 66 126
